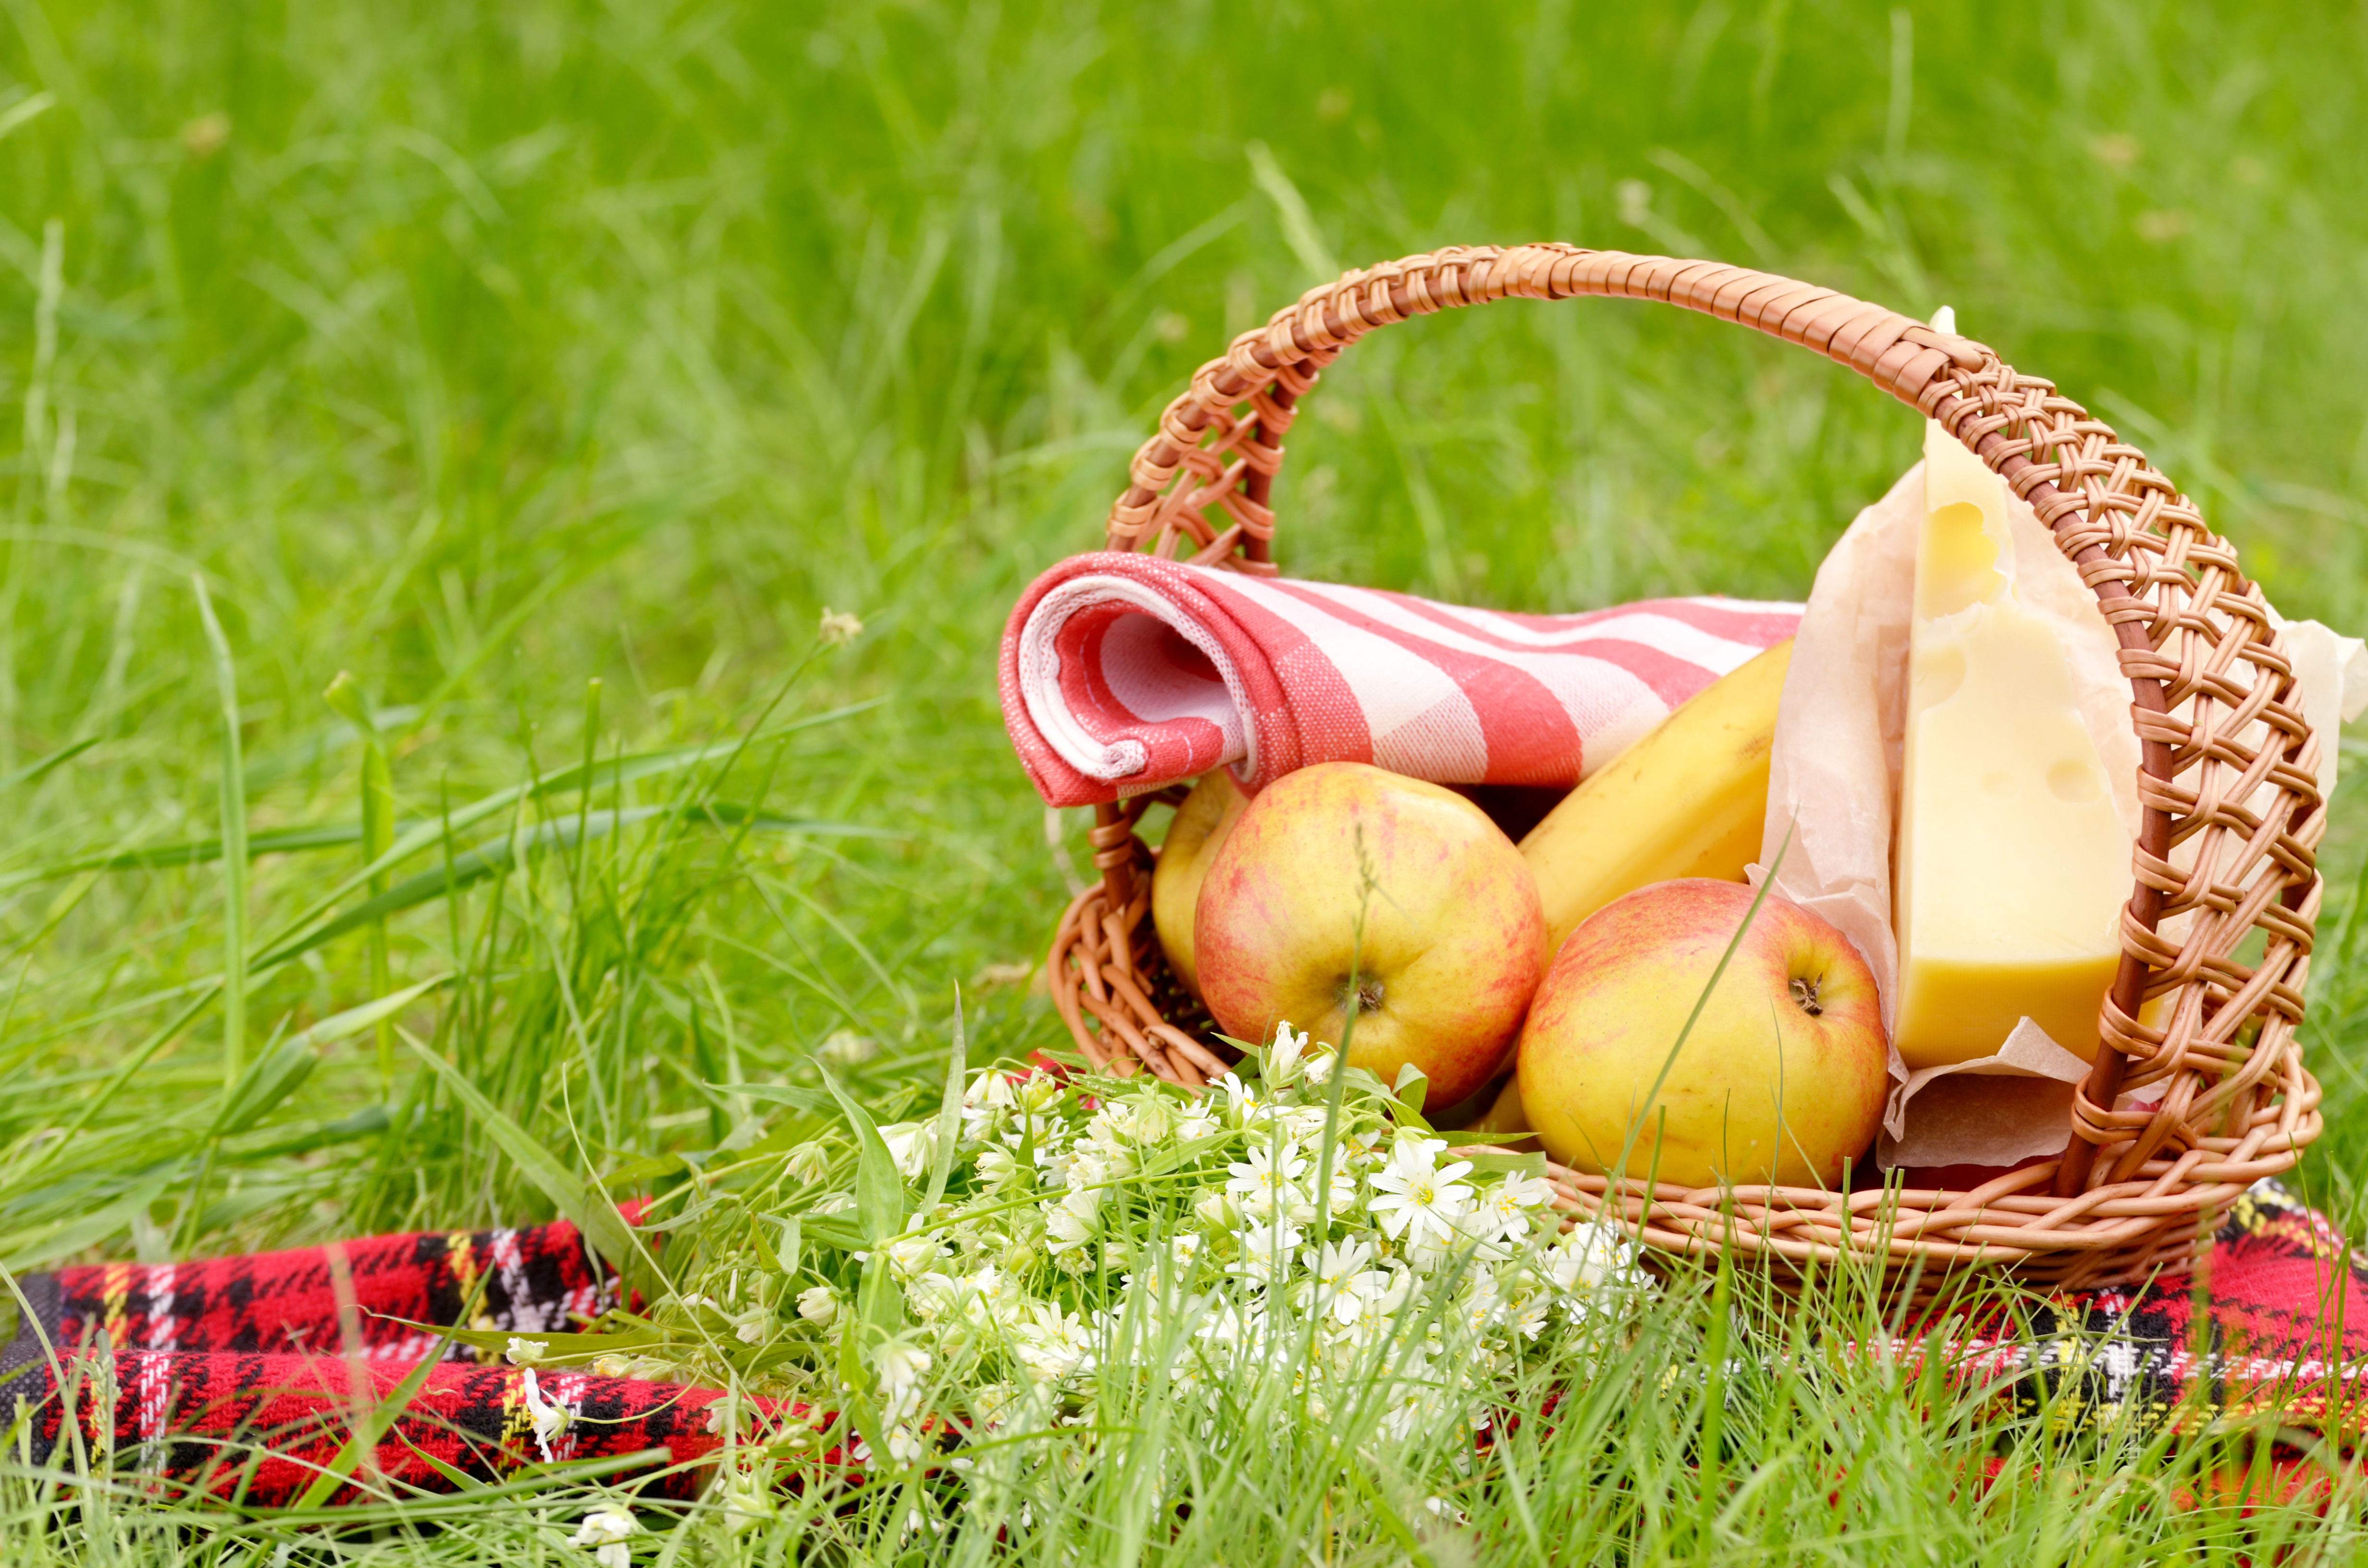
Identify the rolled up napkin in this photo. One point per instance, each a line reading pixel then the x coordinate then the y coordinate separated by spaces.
pixel 1124 673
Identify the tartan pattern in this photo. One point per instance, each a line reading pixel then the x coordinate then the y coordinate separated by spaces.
pixel 2282 1331
pixel 255 1430
pixel 229 1377
pixel 537 1278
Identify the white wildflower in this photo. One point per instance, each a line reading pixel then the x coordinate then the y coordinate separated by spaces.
pixel 990 1089
pixel 911 1256
pixel 845 1048
pixel 1197 1121
pixel 913 1145
pixel 1262 1185
pixel 1505 1213
pixel 1303 1125
pixel 1592 1261
pixel 550 1416
pixel 899 1364
pixel 604 1532
pixel 1088 1170
pixel 996 1165
pixel 1337 1270
pixel 990 1404
pixel 1243 1103
pixel 1052 1343
pixel 1267 1249
pixel 1279 1067
pixel 837 627
pixel 1068 1232
pixel 750 1325
pixel 807 1163
pixel 1371 1305
pixel 1412 1403
pixel 526 1352
pixel 818 1304
pixel 1168 1267
pixel 986 1105
pixel 1416 1199
pixel 1526 1311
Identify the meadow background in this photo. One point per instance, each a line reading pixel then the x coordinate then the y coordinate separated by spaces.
pixel 486 352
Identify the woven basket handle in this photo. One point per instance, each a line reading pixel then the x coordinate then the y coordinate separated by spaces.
pixel 1203 483
pixel 1181 474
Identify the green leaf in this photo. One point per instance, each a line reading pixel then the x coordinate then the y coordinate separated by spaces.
pixel 37 1245
pixel 646 1168
pixel 792 1243
pixel 556 1346
pixel 878 1191
pixel 1411 1091
pixel 272 1077
pixel 949 1112
pixel 282 1070
pixel 831 1231
pixel 1501 1161
pixel 37 769
pixel 594 1217
pixel 813 1100
pixel 878 1301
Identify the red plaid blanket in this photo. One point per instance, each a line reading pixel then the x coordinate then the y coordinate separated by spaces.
pixel 232 1377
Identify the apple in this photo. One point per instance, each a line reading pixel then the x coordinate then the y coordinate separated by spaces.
pixel 1782 1080
pixel 1453 937
pixel 1201 824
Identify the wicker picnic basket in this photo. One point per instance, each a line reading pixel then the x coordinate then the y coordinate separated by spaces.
pixel 2232 814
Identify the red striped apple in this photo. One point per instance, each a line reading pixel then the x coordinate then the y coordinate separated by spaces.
pixel 1782 1079
pixel 1454 939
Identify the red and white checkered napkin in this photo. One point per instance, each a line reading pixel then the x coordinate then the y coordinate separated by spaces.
pixel 1122 673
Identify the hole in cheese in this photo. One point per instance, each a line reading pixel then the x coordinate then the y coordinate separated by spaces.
pixel 1956 562
pixel 2074 781
pixel 1939 671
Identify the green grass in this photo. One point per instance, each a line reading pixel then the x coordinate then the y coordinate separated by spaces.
pixel 485 352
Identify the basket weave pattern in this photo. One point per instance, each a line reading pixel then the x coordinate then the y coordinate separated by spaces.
pixel 2232 815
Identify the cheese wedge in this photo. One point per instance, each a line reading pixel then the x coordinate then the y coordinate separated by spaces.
pixel 2013 865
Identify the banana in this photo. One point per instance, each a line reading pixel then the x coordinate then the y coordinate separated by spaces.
pixel 1687 801
pixel 1201 824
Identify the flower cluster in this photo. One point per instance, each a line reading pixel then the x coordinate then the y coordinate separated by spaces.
pixel 1297 1221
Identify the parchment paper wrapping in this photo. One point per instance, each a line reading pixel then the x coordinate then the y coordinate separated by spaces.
pixel 1833 798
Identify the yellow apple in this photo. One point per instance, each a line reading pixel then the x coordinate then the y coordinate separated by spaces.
pixel 1782 1079
pixel 1454 939
pixel 1201 824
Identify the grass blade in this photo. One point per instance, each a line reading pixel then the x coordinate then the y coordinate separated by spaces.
pixel 344 696
pixel 494 857
pixel 948 1112
pixel 596 1221
pixel 234 838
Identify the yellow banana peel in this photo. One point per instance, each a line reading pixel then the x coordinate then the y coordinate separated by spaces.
pixel 1687 801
